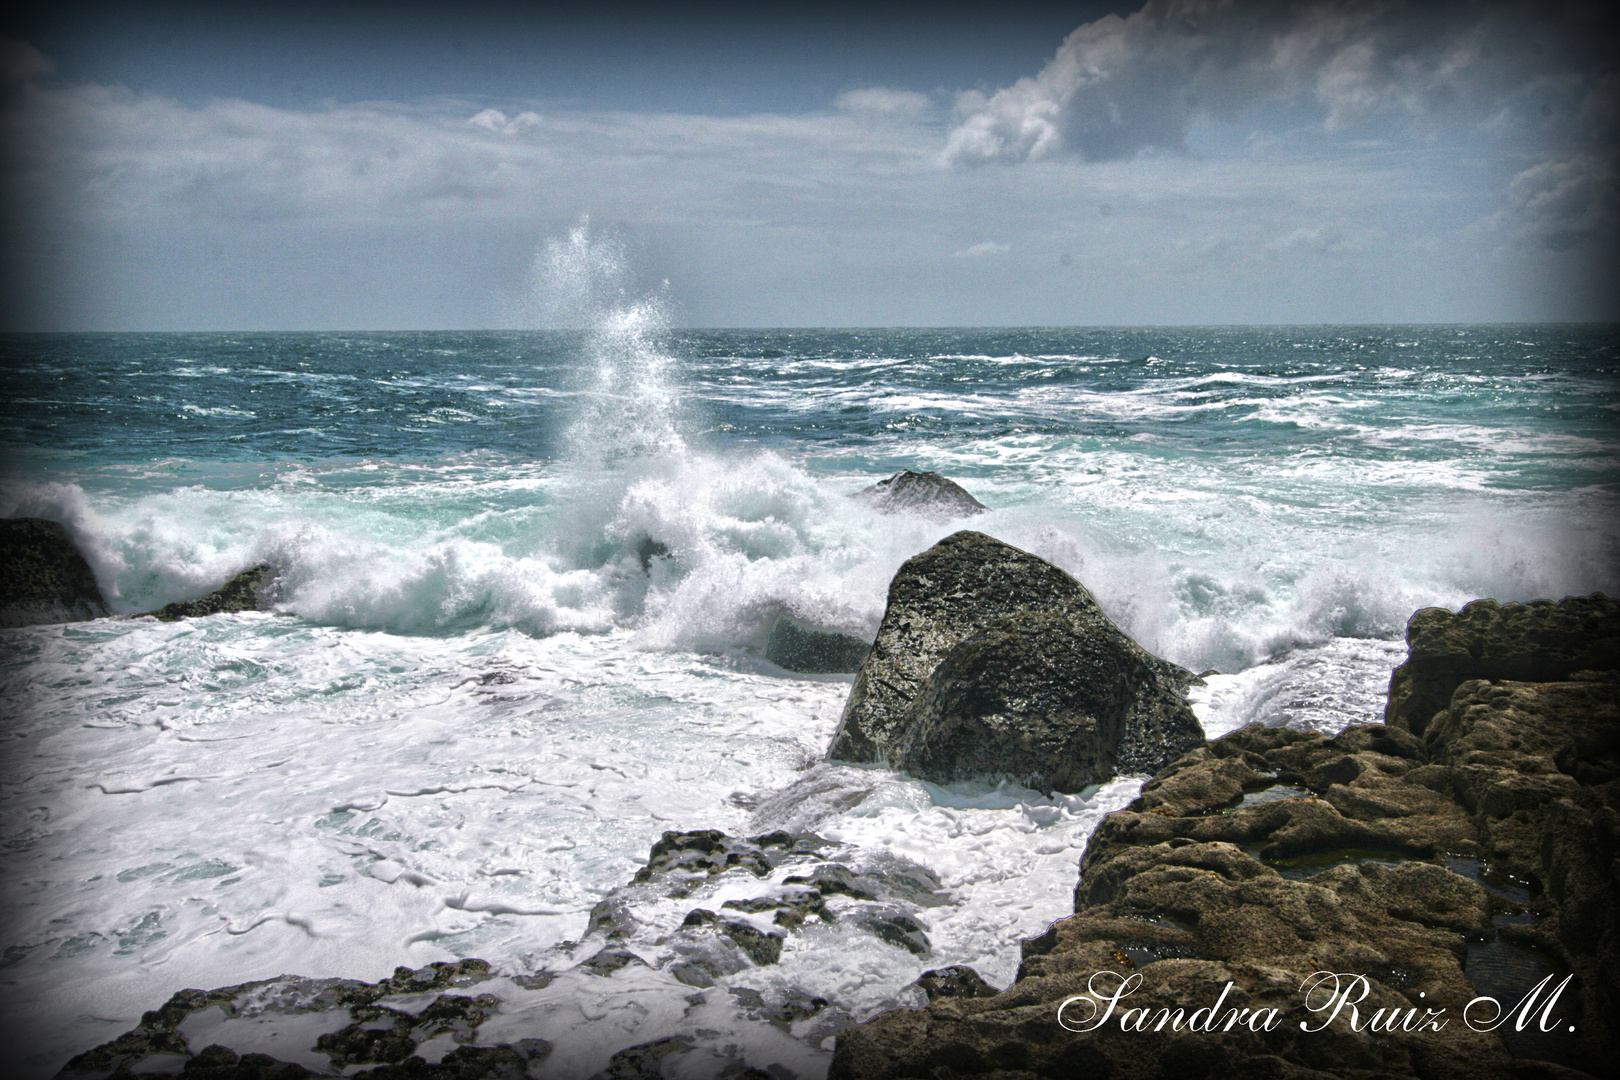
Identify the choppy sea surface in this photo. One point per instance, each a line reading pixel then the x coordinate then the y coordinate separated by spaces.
pixel 474 710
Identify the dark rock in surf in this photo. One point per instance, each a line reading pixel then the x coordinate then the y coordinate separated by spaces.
pixel 648 550
pixel 1536 642
pixel 959 981
pixel 1047 702
pixel 247 591
pixel 157 1039
pixel 993 663
pixel 925 493
pixel 793 646
pixel 43 576
pixel 645 1062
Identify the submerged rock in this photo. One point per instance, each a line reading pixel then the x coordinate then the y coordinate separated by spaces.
pixel 648 549
pixel 925 493
pixel 739 932
pixel 43 576
pixel 992 663
pixel 793 646
pixel 247 591
pixel 1536 642
pixel 1475 859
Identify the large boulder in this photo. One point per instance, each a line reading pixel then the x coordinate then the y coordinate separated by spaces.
pixel 992 663
pixel 1536 642
pixel 43 576
pixel 925 493
pixel 248 591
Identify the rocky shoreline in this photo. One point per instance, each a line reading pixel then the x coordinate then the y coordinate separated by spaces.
pixel 1471 851
pixel 1468 846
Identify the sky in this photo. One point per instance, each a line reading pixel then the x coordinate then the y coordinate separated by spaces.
pixel 173 166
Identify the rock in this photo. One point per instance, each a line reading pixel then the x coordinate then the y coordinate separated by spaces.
pixel 377 1034
pixel 969 620
pixel 1047 703
pixel 1472 860
pixel 925 493
pixel 682 857
pixel 644 1062
pixel 789 912
pixel 247 591
pixel 1537 766
pixel 1536 642
pixel 958 981
pixel 648 549
pixel 793 646
pixel 897 928
pixel 43 576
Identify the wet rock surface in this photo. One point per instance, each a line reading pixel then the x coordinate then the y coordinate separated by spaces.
pixel 992 663
pixel 1475 858
pixel 794 646
pixel 925 493
pixel 376 1033
pixel 1536 642
pixel 251 590
pixel 955 981
pixel 43 576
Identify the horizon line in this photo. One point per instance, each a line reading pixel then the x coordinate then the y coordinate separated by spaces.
pixel 762 328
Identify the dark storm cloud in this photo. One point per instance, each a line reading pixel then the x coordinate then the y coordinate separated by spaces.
pixel 1121 86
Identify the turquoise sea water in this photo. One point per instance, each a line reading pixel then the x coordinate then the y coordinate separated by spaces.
pixel 474 709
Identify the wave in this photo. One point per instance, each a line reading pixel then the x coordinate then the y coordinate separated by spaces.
pixel 701 552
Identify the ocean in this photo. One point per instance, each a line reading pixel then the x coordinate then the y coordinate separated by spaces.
pixel 483 695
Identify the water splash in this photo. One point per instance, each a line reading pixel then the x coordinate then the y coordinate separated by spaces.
pixel 631 407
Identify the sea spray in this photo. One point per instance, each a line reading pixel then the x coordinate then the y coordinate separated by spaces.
pixel 631 408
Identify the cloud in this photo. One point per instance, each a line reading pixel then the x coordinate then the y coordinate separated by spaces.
pixel 1121 86
pixel 497 121
pixel 882 101
pixel 129 209
pixel 1327 239
pixel 1561 204
pixel 109 154
pixel 979 251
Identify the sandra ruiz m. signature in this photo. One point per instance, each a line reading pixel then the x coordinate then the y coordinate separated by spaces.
pixel 1326 994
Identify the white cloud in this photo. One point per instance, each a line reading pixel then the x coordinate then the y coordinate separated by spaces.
pixel 979 251
pixel 1326 239
pixel 497 121
pixel 882 101
pixel 108 153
